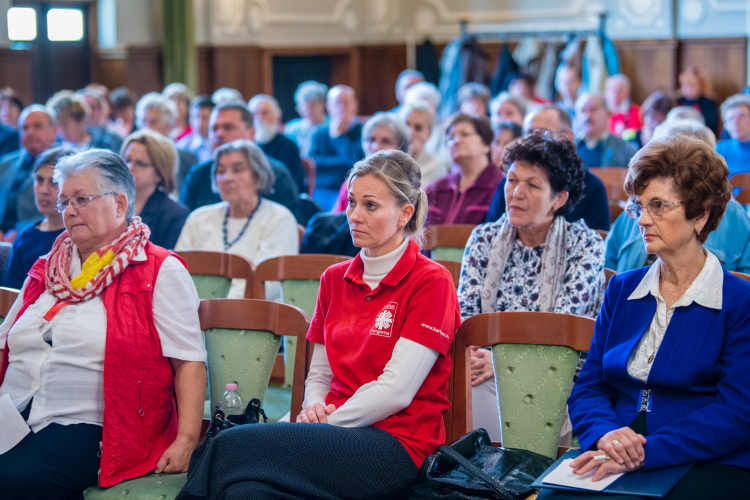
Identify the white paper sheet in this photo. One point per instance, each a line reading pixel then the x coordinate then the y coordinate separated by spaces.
pixel 563 476
pixel 13 426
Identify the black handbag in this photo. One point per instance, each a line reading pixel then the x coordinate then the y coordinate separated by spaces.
pixel 219 422
pixel 472 469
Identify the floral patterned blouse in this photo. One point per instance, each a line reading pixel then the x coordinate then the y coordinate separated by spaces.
pixel 583 283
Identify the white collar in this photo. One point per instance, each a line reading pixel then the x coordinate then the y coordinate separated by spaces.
pixel 381 266
pixel 705 290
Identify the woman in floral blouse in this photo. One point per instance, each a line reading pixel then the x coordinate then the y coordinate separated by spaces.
pixel 531 259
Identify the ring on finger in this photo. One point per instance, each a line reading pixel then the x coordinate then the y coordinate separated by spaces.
pixel 615 442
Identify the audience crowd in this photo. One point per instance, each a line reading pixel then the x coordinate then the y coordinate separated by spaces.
pixel 97 187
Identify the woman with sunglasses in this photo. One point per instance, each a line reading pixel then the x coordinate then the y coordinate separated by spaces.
pixel 666 382
pixel 71 416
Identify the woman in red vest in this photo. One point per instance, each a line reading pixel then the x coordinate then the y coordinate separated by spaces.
pixel 99 353
pixel 383 329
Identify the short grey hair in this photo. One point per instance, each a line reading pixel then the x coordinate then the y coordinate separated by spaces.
pixel 733 102
pixel 256 100
pixel 422 107
pixel 407 73
pixel 687 128
pixel 256 159
pixel 424 91
pixel 685 113
pixel 619 78
pixel 33 109
pixel 586 97
pixel 155 100
pixel 473 90
pixel 504 97
pixel 310 91
pixel 110 173
pixel 226 94
pixel 179 90
pixel 392 123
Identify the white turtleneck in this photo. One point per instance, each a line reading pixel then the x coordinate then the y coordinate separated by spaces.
pixel 402 376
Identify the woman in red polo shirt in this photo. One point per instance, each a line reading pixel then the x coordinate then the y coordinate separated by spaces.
pixel 383 328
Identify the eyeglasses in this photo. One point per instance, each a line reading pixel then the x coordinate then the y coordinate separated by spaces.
pixel 78 202
pixel 655 208
pixel 460 135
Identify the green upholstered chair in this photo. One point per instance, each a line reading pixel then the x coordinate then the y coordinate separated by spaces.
pixel 535 356
pixel 448 242
pixel 213 272
pixel 300 280
pixel 242 339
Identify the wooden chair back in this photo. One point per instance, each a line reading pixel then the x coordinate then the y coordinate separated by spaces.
pixel 608 273
pixel 602 233
pixel 613 179
pixel 230 266
pixel 614 212
pixel 8 297
pixel 454 267
pixel 741 181
pixel 308 165
pixel 280 319
pixel 528 328
pixel 448 242
pixel 744 276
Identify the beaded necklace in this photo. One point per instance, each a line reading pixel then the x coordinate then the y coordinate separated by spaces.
pixel 227 244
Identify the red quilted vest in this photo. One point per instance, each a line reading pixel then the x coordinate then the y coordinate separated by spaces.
pixel 140 412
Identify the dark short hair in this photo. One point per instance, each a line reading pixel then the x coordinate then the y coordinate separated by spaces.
pixel 657 102
pixel 202 101
pixel 13 96
pixel 700 176
pixel 480 123
pixel 557 157
pixel 511 127
pixel 50 156
pixel 245 115
pixel 122 97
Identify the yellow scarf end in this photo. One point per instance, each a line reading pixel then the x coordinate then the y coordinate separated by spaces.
pixel 91 268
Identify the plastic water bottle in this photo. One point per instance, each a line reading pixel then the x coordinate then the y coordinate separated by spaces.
pixel 230 403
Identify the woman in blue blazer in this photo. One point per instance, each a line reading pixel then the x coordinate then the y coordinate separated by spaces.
pixel 667 380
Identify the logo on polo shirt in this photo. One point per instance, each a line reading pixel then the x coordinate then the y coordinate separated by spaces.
pixel 384 321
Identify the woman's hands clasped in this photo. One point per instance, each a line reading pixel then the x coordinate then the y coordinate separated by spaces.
pixel 317 414
pixel 623 447
pixel 482 368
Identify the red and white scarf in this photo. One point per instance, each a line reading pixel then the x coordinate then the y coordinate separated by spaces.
pixel 57 269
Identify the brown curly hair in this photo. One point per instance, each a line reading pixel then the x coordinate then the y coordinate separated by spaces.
pixel 700 176
pixel 557 157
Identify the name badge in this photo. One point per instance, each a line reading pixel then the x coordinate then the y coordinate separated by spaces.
pixel 645 401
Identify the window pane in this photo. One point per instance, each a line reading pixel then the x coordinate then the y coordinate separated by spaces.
pixel 21 23
pixel 64 25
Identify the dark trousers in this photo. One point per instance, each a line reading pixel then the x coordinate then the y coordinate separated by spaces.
pixel 286 461
pixel 58 462
pixel 701 482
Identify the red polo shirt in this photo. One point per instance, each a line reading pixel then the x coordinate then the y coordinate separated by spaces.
pixel 359 328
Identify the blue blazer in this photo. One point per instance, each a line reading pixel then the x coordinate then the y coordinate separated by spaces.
pixel 699 381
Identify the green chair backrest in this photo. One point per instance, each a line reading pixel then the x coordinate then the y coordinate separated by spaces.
pixel 150 487
pixel 211 287
pixel 456 254
pixel 303 294
pixel 242 357
pixel 533 385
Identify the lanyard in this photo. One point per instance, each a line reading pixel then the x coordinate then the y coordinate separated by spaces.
pixel 52 313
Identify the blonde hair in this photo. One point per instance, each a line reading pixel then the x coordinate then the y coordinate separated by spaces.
pixel 65 104
pixel 403 177
pixel 161 152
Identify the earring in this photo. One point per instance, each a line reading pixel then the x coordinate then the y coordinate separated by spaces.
pixel 698 231
pixel 119 214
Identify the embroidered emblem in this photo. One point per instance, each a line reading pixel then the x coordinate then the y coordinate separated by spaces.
pixel 384 321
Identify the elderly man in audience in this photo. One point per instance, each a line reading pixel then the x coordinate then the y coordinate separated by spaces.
pixel 336 148
pixel 225 95
pixel 310 100
pixel 593 207
pixel 37 239
pixel 181 96
pixel 420 119
pixel 123 101
pixel 95 417
pixel 11 105
pixel 71 113
pixel 507 108
pixel 473 99
pixel 567 84
pixel 243 223
pixel 267 122
pixel 464 195
pixel 624 113
pixel 504 133
pixel 597 146
pixel 17 207
pixel 406 79
pixel 382 131
pixel 378 405
pixel 97 120
pixel 666 383
pixel 735 112
pixel 654 112
pixel 429 93
pixel 730 242
pixel 506 265
pixel 151 158
pixel 695 91
pixel 157 113
pixel 198 141
pixel 229 122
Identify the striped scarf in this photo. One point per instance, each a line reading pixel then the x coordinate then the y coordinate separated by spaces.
pixel 115 258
